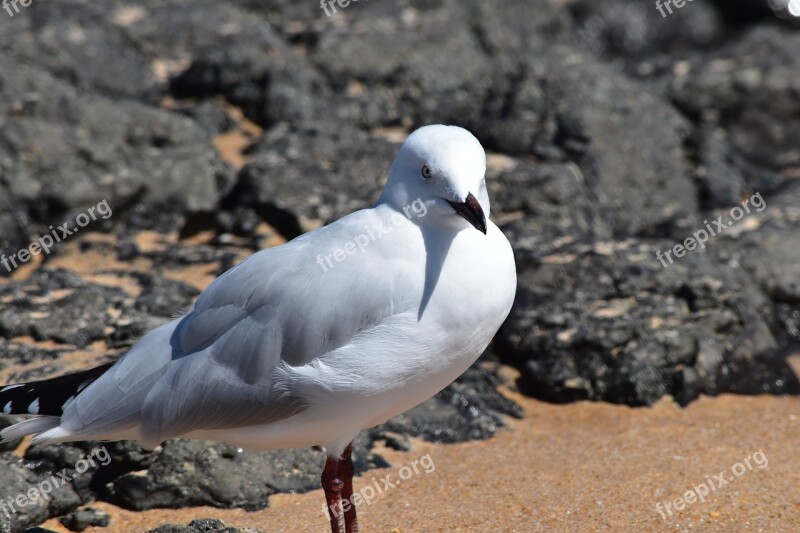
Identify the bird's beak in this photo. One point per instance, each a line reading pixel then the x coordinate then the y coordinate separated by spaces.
pixel 471 211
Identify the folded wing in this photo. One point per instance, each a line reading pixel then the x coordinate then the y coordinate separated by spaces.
pixel 224 364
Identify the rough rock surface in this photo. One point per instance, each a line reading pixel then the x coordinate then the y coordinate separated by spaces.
pixel 288 189
pixel 208 525
pixel 745 100
pixel 630 330
pixel 82 519
pixel 614 133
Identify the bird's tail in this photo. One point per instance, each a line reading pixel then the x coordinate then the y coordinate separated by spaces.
pixel 46 398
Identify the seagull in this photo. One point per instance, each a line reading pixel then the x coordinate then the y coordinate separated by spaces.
pixel 310 342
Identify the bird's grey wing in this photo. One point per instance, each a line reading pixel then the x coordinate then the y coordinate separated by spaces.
pixel 217 366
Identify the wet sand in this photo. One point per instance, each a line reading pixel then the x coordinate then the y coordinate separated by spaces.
pixel 578 467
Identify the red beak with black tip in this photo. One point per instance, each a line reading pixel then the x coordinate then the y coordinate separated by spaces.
pixel 471 211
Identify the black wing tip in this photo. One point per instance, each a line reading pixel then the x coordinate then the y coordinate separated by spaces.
pixel 48 396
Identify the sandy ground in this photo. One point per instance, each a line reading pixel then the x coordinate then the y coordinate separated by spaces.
pixel 578 467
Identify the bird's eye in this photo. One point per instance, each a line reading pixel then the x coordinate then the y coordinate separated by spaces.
pixel 426 172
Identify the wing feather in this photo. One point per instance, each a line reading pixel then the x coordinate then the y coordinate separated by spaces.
pixel 224 363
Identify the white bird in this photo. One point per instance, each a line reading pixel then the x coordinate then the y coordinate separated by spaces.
pixel 309 342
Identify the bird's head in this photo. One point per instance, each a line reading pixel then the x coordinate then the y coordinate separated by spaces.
pixel 438 178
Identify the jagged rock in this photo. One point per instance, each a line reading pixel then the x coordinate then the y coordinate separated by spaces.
pixel 746 94
pixel 22 503
pixel 206 525
pixel 629 330
pixel 81 44
pixel 288 188
pixel 62 152
pixel 84 518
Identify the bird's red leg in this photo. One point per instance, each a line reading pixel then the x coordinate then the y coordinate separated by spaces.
pixel 333 486
pixel 346 474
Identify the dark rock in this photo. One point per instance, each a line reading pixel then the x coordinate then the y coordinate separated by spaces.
pixel 57 305
pixel 20 88
pixel 79 462
pixel 21 490
pixel 13 229
pixel 719 170
pixel 80 472
pixel 289 18
pixel 85 518
pixel 59 150
pixel 176 32
pixel 206 525
pixel 470 408
pixel 515 28
pixel 13 354
pixel 159 299
pixel 131 326
pixel 555 200
pixel 78 42
pixel 766 244
pixel 127 250
pixel 182 255
pixel 622 146
pixel 747 95
pixel 241 221
pixel 637 29
pixel 211 116
pixel 395 441
pixel 163 297
pixel 295 178
pixel 190 472
pixel 657 345
pixel 424 70
pixel 744 13
pixel 257 72
pixel 630 330
pixel 428 75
